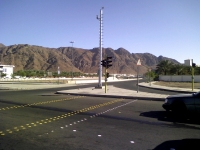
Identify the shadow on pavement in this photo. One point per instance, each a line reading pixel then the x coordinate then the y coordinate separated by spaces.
pixel 174 118
pixel 184 144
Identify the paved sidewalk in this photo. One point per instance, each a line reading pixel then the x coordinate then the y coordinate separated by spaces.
pixel 124 93
pixel 114 92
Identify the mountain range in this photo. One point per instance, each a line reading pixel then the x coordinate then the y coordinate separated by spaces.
pixel 32 57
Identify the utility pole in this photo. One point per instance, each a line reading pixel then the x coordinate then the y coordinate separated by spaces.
pixel 100 46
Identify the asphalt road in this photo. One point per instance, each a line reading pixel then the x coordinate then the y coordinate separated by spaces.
pixel 130 85
pixel 32 121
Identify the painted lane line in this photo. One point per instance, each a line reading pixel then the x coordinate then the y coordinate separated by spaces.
pixel 97 115
pixel 39 103
pixel 58 117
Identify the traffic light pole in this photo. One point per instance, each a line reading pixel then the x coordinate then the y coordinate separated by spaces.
pixel 193 66
pixel 106 63
pixel 106 70
pixel 137 79
pixel 192 78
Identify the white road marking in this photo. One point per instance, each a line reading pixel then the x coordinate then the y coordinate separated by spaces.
pixel 98 114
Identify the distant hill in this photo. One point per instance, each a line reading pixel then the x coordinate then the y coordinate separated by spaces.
pixel 1 45
pixel 30 57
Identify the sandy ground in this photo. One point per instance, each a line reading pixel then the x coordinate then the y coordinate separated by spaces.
pixel 179 84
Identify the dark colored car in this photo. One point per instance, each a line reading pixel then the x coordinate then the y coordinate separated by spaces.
pixel 183 103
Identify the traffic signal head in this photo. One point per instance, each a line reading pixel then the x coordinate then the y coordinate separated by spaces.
pixel 107 75
pixel 193 65
pixel 109 61
pixel 103 63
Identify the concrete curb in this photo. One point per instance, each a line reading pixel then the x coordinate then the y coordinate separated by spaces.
pixel 170 90
pixel 114 96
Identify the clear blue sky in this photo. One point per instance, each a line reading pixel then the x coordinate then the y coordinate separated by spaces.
pixel 170 28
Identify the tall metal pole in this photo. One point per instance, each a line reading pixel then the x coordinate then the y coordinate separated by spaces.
pixel 100 45
pixel 192 77
pixel 72 57
pixel 137 79
pixel 106 71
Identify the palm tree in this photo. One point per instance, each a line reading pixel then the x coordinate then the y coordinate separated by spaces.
pixel 197 71
pixel 177 69
pixel 164 67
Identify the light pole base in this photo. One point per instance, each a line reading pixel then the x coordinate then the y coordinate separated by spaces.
pixel 98 87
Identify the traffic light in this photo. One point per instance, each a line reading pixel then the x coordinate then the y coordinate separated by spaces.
pixel 193 65
pixel 104 63
pixel 107 75
pixel 108 62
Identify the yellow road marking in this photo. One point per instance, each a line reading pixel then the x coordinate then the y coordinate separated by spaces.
pixel 40 103
pixel 59 117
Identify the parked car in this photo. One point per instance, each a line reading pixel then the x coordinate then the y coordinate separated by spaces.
pixel 183 103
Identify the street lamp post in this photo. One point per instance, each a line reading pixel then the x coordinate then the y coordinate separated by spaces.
pixel 100 45
pixel 72 57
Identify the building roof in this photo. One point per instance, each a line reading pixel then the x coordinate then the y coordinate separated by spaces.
pixel 7 66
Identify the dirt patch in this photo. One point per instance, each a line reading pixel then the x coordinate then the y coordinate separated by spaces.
pixel 178 84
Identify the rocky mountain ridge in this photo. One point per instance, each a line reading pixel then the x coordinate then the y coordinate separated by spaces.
pixel 31 57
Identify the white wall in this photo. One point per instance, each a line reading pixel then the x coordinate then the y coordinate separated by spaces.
pixel 179 78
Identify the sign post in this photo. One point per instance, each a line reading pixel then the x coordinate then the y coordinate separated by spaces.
pixel 138 64
pixel 58 73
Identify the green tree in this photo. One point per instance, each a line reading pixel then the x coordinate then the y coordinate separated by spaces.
pixel 150 75
pixel 164 67
pixel 187 70
pixel 2 75
pixel 197 70
pixel 177 69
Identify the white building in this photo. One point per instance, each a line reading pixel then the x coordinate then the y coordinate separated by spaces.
pixel 188 62
pixel 7 69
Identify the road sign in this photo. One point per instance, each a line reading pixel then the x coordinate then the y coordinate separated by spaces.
pixel 139 62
